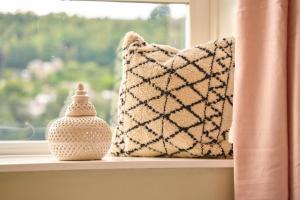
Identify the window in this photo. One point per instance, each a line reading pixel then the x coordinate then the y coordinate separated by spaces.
pixel 47 46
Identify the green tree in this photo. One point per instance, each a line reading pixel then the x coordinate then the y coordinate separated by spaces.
pixel 160 12
pixel 88 49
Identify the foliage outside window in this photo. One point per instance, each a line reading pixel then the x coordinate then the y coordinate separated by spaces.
pixel 43 56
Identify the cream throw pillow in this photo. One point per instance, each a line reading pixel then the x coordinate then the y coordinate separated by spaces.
pixel 175 103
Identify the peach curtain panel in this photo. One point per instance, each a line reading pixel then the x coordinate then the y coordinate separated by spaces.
pixel 266 113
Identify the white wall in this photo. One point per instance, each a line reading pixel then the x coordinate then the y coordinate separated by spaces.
pixel 141 184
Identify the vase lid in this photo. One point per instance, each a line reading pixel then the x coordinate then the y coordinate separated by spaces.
pixel 81 105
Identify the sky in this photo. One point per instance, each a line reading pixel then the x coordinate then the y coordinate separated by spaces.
pixel 89 9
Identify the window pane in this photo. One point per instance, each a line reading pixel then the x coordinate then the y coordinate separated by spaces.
pixel 48 46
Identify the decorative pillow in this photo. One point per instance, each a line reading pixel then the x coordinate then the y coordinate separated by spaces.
pixel 175 103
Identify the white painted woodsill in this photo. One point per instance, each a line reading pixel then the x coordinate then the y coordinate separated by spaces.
pixel 23 163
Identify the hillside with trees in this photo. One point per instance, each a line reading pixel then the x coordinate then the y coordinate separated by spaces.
pixel 42 58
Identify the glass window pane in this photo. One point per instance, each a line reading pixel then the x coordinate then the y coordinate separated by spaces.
pixel 47 46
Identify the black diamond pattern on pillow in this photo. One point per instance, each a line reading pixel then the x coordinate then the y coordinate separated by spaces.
pixel 175 103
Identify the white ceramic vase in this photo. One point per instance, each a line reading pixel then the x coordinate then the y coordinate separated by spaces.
pixel 80 135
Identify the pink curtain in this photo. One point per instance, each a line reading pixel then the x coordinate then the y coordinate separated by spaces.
pixel 266 114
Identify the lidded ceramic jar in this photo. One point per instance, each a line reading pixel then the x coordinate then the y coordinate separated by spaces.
pixel 80 135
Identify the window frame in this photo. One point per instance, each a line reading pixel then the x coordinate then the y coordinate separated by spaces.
pixel 202 25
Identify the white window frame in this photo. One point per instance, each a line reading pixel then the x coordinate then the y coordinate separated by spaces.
pixel 202 25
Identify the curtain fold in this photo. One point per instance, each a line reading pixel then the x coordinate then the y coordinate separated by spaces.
pixel 266 112
pixel 293 67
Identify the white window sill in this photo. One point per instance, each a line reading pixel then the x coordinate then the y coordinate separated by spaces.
pixel 23 163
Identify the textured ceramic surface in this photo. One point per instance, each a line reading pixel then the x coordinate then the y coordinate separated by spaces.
pixel 80 135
